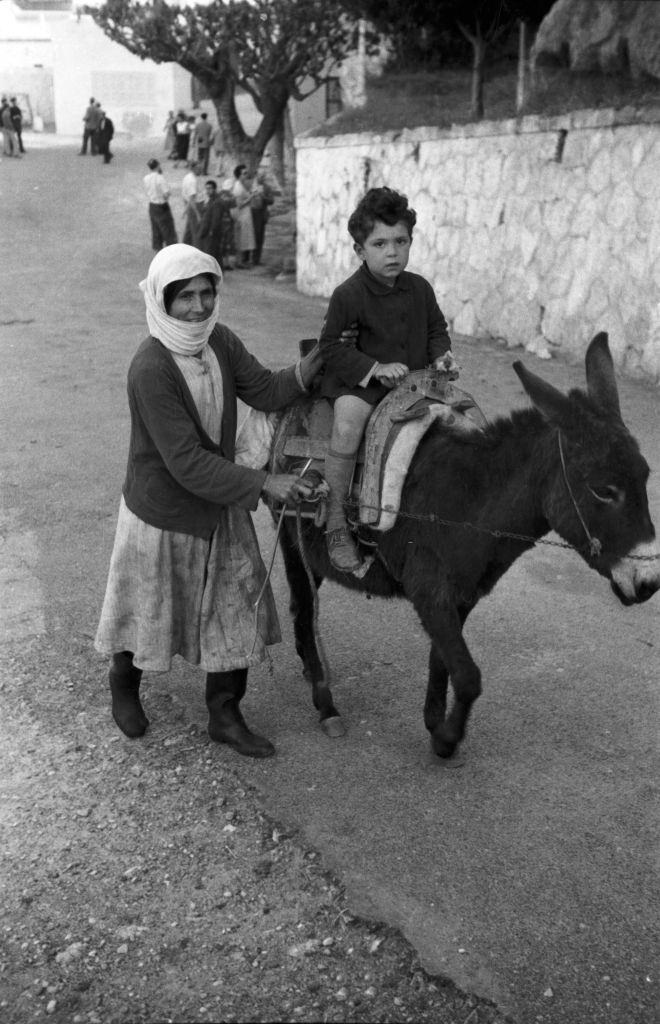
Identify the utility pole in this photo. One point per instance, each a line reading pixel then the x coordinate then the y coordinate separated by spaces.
pixel 522 66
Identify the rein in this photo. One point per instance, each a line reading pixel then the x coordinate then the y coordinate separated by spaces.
pixel 595 546
pixel 431 517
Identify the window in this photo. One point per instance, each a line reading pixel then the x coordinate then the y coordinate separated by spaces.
pixel 334 103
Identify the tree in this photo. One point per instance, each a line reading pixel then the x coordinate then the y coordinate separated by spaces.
pixel 442 27
pixel 276 50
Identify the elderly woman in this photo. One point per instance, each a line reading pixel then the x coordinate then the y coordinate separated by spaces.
pixel 186 576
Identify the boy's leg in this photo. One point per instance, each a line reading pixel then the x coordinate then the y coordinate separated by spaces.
pixel 351 415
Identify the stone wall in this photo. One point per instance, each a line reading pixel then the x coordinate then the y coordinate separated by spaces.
pixel 539 232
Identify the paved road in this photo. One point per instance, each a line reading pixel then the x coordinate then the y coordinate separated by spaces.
pixel 526 868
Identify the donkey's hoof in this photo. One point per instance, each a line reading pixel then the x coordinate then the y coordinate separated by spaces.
pixel 333 727
pixel 443 747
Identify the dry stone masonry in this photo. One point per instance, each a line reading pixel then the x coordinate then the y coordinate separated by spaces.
pixel 538 232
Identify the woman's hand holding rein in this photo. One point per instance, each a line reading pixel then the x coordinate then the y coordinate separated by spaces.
pixel 286 487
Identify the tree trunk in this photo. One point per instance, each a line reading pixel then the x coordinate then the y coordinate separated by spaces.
pixel 276 150
pixel 236 143
pixel 272 126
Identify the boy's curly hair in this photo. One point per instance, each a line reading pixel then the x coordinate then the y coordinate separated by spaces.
pixel 382 204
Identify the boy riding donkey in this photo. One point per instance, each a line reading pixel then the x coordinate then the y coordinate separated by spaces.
pixel 382 322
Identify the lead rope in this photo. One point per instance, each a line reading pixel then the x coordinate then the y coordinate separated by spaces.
pixel 595 546
pixel 266 580
pixel 270 566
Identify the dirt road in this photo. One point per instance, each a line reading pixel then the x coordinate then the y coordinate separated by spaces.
pixel 169 879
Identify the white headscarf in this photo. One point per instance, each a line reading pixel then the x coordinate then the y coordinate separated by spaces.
pixel 179 263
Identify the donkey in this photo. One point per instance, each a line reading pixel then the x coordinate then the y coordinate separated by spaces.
pixel 469 510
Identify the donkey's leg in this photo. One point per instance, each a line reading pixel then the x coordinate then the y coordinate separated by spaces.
pixel 449 656
pixel 301 606
pixel 435 707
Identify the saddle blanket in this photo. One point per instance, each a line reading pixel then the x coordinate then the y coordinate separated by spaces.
pixel 300 436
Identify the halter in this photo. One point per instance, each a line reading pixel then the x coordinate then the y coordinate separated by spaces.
pixel 595 546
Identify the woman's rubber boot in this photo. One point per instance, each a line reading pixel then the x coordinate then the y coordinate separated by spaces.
pixel 124 687
pixel 224 691
pixel 342 550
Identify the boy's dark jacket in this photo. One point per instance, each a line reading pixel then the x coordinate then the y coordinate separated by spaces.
pixel 174 478
pixel 401 324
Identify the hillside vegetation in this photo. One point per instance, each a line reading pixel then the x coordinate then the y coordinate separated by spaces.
pixel 411 99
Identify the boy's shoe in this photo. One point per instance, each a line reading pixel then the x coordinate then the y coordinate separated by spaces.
pixel 342 551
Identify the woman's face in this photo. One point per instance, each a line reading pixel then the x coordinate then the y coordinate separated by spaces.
pixel 195 301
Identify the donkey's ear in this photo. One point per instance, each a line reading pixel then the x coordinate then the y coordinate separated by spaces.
pixel 601 382
pixel 547 399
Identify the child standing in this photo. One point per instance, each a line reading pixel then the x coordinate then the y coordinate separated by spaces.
pixel 397 327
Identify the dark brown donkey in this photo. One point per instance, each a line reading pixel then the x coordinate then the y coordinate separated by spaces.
pixel 469 511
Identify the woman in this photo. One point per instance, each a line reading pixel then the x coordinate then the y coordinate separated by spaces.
pixel 186 576
pixel 245 243
pixel 170 137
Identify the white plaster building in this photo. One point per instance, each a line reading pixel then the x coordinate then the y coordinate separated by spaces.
pixel 53 58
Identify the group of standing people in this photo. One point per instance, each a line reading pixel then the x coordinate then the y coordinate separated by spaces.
pixel 98 131
pixel 11 121
pixel 189 140
pixel 228 223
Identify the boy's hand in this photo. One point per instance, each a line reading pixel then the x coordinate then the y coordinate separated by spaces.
pixel 447 364
pixel 349 333
pixel 390 374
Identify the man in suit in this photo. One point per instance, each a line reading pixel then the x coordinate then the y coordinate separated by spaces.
pixel 104 134
pixel 91 119
pixel 216 229
pixel 17 119
pixel 10 142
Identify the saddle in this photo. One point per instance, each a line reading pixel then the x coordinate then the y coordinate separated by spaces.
pixel 393 433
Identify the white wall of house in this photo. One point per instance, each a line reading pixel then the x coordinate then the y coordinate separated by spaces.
pixel 136 94
pixel 58 60
pixel 26 61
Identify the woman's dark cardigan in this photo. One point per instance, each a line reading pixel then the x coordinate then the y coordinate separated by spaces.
pixel 177 478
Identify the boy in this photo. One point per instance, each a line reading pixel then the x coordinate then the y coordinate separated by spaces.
pixel 397 326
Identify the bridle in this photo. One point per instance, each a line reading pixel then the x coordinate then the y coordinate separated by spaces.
pixel 595 546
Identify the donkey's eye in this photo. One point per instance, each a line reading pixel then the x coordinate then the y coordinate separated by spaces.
pixel 608 494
